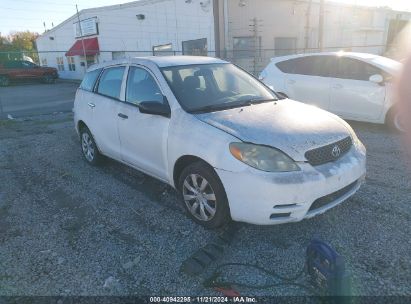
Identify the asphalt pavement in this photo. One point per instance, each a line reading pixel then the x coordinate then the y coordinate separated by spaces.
pixel 27 99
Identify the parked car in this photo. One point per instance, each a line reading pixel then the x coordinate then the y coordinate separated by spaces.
pixel 355 86
pixel 15 70
pixel 225 141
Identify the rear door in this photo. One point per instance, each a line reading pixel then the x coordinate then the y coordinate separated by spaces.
pixel 105 104
pixel 143 136
pixel 353 96
pixel 307 79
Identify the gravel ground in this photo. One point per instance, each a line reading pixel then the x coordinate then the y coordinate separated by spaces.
pixel 70 229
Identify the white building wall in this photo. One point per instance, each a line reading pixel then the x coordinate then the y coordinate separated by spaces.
pixel 166 21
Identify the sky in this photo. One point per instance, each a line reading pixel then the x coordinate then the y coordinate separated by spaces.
pixel 20 15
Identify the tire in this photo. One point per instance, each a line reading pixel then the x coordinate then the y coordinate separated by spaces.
pixel 4 81
pixel 203 195
pixel 89 148
pixel 49 79
pixel 394 121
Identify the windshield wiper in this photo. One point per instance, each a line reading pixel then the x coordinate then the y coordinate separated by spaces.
pixel 257 101
pixel 230 105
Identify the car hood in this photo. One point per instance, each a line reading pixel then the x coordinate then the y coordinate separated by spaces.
pixel 288 125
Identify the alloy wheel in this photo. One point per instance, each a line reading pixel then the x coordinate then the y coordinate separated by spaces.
pixel 199 197
pixel 87 146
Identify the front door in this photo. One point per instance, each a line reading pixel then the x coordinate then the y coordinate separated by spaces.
pixel 352 95
pixel 143 136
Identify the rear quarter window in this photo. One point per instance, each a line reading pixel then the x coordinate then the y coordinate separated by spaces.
pixel 89 80
pixel 286 66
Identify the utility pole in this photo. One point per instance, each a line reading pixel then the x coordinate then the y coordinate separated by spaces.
pixel 321 27
pixel 255 30
pixel 82 40
pixel 307 26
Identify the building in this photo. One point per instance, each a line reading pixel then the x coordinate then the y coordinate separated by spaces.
pixel 139 28
pixel 246 32
pixel 253 31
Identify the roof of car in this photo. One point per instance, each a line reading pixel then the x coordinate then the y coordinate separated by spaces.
pixel 162 61
pixel 364 56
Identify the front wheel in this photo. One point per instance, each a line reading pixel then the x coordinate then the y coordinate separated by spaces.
pixel 4 81
pixel 204 196
pixel 395 121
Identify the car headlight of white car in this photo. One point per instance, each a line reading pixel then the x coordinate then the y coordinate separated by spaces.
pixel 263 158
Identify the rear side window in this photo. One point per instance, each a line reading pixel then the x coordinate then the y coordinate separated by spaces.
pixel 13 64
pixel 310 65
pixel 110 82
pixel 89 80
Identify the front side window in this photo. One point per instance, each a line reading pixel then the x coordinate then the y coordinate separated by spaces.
pixel 89 80
pixel 27 64
pixel 110 82
pixel 353 69
pixel 141 86
pixel 213 87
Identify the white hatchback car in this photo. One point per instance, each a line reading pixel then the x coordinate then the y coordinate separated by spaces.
pixel 355 86
pixel 225 141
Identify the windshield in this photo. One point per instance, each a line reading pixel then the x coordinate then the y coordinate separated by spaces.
pixel 213 87
pixel 387 64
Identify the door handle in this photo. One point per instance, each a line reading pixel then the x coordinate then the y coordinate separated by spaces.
pixel 337 86
pixel 122 115
pixel 91 105
pixel 291 81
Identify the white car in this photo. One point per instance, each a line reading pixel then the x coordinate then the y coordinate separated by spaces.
pixel 224 140
pixel 355 86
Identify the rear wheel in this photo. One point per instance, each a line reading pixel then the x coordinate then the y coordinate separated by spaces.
pixel 89 147
pixel 49 79
pixel 4 81
pixel 395 120
pixel 204 196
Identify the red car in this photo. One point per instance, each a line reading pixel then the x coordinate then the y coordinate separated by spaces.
pixel 25 70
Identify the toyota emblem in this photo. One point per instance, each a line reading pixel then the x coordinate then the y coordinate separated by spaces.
pixel 336 151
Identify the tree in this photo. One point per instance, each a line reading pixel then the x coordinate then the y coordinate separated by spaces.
pixel 18 44
pixel 24 41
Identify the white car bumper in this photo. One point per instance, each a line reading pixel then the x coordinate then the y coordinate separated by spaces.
pixel 265 198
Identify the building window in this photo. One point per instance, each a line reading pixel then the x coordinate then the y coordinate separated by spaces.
pixel 71 63
pixel 246 47
pixel 163 50
pixel 43 62
pixel 118 55
pixel 90 59
pixel 285 46
pixel 60 63
pixel 196 47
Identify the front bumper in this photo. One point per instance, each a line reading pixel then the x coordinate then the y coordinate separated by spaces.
pixel 265 198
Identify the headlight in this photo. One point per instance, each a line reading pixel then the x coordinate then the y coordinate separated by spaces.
pixel 263 158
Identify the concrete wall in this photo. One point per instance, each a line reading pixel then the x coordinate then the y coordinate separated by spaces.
pixel 166 21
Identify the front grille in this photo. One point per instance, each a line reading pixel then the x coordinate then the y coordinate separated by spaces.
pixel 325 200
pixel 329 152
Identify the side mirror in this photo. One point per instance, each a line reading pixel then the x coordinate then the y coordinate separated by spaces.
pixel 155 108
pixel 281 95
pixel 377 78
